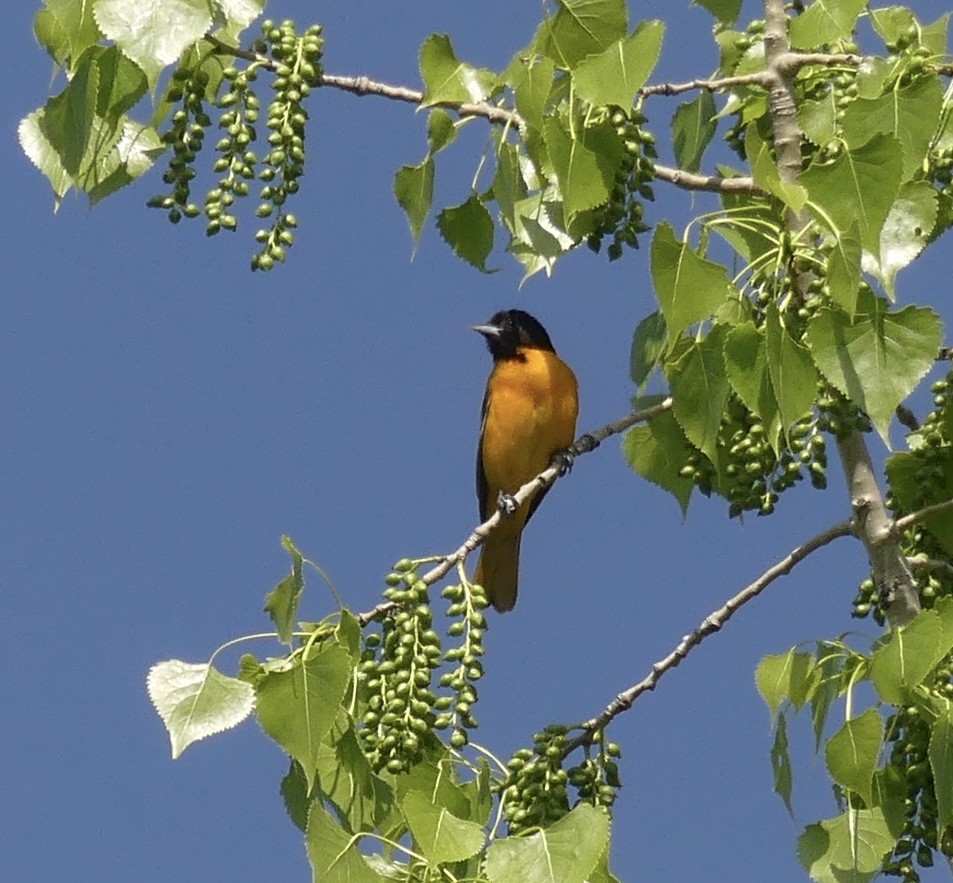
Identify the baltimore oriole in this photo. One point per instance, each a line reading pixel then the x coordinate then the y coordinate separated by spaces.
pixel 529 414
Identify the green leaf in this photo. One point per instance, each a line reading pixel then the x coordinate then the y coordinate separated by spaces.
pixel 781 763
pixel 134 153
pixel 860 184
pixel 601 872
pixel 824 21
pixel 413 188
pixel 893 23
pixel 764 169
pixel 878 358
pixel 334 858
pixel 585 176
pixel 793 375
pixel 902 662
pixel 239 14
pixel 906 231
pixel 281 603
pixel 908 114
pixel 142 29
pixel 581 28
pixel 437 778
pixel 693 127
pixel 344 776
pixel 479 792
pixel 941 762
pixel 853 751
pixel 43 154
pixel 297 706
pixel 508 185
pixel 817 118
pixel 648 345
pixel 700 389
pixel 468 229
pixel 532 82
pixel 440 835
pixel 689 288
pixel 746 364
pixel 751 226
pixel 74 21
pixel 616 74
pixel 827 685
pixel 843 269
pixel 657 450
pixel 845 849
pixel 195 701
pixel 447 80
pixel 441 132
pixel 726 11
pixel 540 236
pixel 933 36
pixel 565 852
pixel 294 793
pixel 51 35
pixel 121 84
pixel 903 471
pixel 775 674
pixel 69 117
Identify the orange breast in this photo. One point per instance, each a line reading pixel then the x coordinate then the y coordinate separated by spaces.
pixel 531 414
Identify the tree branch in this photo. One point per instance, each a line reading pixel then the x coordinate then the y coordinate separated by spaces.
pixel 583 445
pixel 712 623
pixel 716 620
pixel 493 113
pixel 792 61
pixel 891 572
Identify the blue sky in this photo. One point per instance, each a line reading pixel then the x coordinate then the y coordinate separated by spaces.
pixel 167 416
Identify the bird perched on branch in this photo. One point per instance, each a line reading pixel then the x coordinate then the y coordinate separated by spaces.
pixel 529 415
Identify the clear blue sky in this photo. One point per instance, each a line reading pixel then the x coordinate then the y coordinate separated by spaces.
pixel 167 416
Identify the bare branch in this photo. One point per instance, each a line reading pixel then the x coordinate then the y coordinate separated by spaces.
pixel 791 61
pixel 761 78
pixel 922 562
pixel 712 623
pixel 361 86
pixel 583 445
pixel 717 618
pixel 921 515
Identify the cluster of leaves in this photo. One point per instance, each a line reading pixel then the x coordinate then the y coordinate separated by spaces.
pixel 113 53
pixel 572 165
pixel 353 710
pixel 758 366
pixel 891 765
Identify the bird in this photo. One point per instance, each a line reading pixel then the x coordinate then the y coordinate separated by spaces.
pixel 529 415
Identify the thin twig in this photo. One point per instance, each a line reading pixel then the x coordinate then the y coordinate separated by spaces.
pixel 583 445
pixel 717 619
pixel 712 623
pixel 921 515
pixel 493 113
pixel 922 562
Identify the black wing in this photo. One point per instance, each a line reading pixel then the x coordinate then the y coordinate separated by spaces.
pixel 482 486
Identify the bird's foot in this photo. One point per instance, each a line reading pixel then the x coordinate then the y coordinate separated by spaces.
pixel 507 504
pixel 564 460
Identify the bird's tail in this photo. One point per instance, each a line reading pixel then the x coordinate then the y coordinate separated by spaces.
pixel 498 569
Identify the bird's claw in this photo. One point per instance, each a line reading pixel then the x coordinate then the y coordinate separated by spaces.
pixel 564 460
pixel 507 504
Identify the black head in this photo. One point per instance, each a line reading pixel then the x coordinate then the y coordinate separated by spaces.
pixel 508 330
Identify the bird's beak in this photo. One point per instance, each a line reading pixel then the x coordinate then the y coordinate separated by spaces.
pixel 488 330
